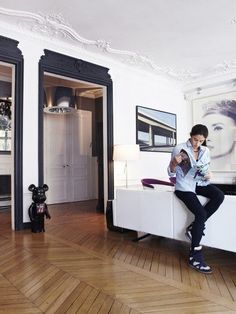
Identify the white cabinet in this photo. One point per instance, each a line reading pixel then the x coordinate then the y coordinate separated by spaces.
pixel 220 227
pixel 127 207
pixel 156 209
pixel 162 213
pixel 144 212
pixel 221 231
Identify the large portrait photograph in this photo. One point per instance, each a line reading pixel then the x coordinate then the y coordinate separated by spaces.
pixel 218 113
pixel 155 130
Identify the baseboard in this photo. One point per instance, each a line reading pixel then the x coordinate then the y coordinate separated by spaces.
pixel 26 225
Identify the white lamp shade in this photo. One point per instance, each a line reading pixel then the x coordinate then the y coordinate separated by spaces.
pixel 126 152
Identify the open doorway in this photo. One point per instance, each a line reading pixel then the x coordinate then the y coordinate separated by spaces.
pixel 7 85
pixel 73 140
pixel 83 72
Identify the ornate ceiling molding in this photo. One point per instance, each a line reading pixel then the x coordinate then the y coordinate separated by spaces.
pixel 54 26
pixel 225 67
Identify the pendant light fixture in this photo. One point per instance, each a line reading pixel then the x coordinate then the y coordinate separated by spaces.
pixel 64 101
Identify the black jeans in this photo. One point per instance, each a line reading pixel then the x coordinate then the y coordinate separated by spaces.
pixel 201 213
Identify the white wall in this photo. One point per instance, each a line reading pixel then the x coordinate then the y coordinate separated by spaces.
pixel 131 87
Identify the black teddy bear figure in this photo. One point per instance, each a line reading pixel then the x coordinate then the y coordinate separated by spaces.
pixel 38 209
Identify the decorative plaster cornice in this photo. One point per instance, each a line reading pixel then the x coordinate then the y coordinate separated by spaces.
pixel 54 26
pixel 225 67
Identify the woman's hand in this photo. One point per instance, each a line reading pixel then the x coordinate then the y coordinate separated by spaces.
pixel 208 175
pixel 175 161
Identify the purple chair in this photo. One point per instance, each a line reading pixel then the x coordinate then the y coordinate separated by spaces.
pixel 148 182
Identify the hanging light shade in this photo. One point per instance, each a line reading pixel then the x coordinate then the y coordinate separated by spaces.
pixel 64 101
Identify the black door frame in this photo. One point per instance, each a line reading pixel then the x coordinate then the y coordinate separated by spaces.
pixel 10 53
pixel 56 63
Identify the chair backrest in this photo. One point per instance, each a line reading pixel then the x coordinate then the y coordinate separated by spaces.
pixel 172 180
pixel 148 182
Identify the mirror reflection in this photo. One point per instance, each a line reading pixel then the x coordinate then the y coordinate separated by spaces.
pixel 5 107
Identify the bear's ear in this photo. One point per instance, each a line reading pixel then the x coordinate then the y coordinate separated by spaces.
pixel 45 187
pixel 31 187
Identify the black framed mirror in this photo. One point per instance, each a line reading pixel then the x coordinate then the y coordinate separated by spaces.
pixel 66 66
pixel 11 54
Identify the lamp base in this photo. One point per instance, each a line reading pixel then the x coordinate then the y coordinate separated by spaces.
pixel 126 174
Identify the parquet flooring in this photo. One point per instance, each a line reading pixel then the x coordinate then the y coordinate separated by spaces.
pixel 78 266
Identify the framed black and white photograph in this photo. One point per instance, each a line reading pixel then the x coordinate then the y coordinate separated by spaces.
pixel 218 113
pixel 155 130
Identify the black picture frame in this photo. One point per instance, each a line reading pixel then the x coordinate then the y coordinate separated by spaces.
pixel 156 130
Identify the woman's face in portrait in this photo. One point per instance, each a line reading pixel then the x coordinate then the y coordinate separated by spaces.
pixel 222 134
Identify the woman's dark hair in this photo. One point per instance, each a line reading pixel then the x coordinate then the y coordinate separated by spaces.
pixel 199 129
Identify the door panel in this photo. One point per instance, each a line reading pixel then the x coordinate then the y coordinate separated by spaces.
pixel 81 156
pixel 56 158
pixel 69 165
pixel 58 191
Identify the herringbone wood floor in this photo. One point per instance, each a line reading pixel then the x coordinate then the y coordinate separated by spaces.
pixel 78 266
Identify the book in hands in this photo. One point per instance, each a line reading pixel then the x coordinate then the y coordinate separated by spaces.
pixel 185 164
pixel 202 171
pixel 198 172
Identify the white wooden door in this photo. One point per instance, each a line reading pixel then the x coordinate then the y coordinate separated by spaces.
pixel 70 169
pixel 81 156
pixel 55 157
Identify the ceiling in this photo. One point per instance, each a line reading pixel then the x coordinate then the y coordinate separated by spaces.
pixel 184 39
pixel 81 88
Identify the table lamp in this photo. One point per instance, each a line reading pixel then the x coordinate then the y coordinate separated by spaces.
pixel 126 152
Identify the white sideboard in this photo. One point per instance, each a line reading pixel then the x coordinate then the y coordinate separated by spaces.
pixel 160 212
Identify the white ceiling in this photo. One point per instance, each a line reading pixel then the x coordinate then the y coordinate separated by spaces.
pixel 184 38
